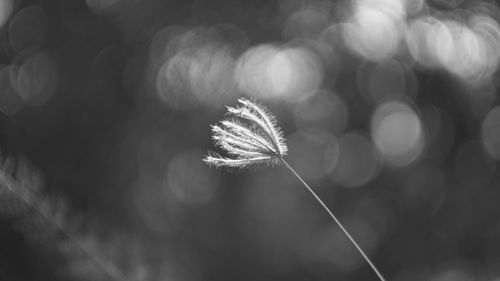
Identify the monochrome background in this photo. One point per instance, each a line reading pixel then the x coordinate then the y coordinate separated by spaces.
pixel 390 109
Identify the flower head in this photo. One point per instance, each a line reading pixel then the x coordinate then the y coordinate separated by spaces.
pixel 249 135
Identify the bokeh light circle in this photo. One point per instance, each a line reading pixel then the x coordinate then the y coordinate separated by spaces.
pixel 27 28
pixel 324 110
pixel 386 80
pixel 490 133
pixel 397 133
pixel 37 79
pixel 374 30
pixel 270 72
pixel 190 180
pixel 358 162
pixel 172 82
pixel 5 11
pixel 10 101
pixel 312 152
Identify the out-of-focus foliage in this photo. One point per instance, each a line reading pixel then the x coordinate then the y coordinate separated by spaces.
pixel 390 109
pixel 47 222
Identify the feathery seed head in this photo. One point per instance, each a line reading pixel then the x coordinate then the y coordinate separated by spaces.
pixel 249 135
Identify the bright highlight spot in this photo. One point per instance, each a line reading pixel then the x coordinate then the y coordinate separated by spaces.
pixel 211 75
pixel 5 11
pixel 374 30
pixel 469 51
pixel 397 132
pixel 172 82
pixel 192 67
pixel 419 39
pixel 268 72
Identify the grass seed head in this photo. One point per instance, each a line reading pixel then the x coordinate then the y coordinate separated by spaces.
pixel 249 135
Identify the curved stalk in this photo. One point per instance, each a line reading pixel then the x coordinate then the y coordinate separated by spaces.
pixel 335 219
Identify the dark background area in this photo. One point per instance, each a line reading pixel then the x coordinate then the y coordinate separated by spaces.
pixel 99 131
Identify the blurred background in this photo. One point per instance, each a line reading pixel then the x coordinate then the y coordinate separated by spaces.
pixel 390 109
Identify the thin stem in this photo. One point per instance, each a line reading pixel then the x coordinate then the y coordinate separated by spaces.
pixel 335 219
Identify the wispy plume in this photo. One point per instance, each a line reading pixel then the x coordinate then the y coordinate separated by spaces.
pixel 249 135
